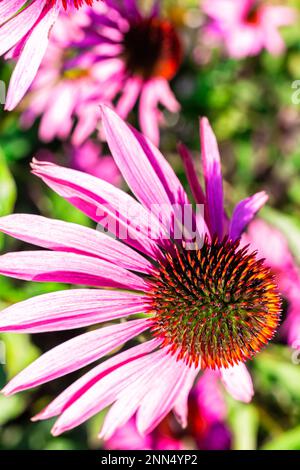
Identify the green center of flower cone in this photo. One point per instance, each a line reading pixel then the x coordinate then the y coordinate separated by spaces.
pixel 215 306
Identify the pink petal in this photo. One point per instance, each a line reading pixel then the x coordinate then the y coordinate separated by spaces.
pixel 191 174
pixel 244 213
pixel 162 394
pixel 63 236
pixel 32 53
pixel 9 8
pixel 75 354
pixel 238 382
pixel 129 97
pixel 101 394
pixel 84 383
pixel 57 119
pixel 68 268
pixel 129 398
pixel 213 178
pixel 69 309
pixel 181 403
pixel 103 203
pixel 14 30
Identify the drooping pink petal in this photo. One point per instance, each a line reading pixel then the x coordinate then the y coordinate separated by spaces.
pixel 181 403
pixel 70 268
pixel 75 354
pixel 244 213
pixel 165 95
pixel 213 178
pixel 129 96
pixel 104 203
pixel 64 310
pixel 161 394
pixel 149 113
pixel 129 398
pixel 65 236
pixel 32 53
pixel 155 92
pixel 102 393
pixel 14 30
pixel 9 8
pixel 146 171
pixel 57 119
pixel 238 382
pixel 79 388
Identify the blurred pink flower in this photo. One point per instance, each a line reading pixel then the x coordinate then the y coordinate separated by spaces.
pixel 104 54
pixel 127 437
pixel 248 26
pixel 208 305
pixel 24 34
pixel 273 246
pixel 65 92
pixel 138 55
pixel 88 158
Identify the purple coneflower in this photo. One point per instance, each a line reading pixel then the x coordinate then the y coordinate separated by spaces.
pixel 137 55
pixel 105 54
pixel 207 304
pixel 273 246
pixel 24 34
pixel 246 27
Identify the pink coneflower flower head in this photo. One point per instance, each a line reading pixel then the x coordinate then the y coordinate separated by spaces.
pixel 137 56
pixel 207 303
pixel 248 26
pixel 273 246
pixel 24 34
pixel 66 90
pixel 95 55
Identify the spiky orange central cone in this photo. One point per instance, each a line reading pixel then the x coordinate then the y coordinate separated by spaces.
pixel 152 49
pixel 215 306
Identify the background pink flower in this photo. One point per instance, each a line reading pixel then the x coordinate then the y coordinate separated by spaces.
pixel 24 34
pixel 106 54
pixel 248 26
pixel 66 91
pixel 272 245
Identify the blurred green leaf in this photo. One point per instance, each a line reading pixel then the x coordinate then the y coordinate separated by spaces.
pixel 243 422
pixel 289 440
pixel 20 352
pixel 11 407
pixel 7 187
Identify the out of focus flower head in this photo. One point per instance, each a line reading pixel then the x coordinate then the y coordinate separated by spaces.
pixel 205 430
pixel 273 246
pixel 66 88
pixel 24 34
pixel 248 26
pixel 116 55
